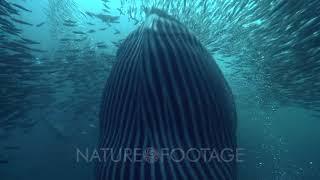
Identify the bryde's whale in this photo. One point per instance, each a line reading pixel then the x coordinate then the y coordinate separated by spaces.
pixel 167 111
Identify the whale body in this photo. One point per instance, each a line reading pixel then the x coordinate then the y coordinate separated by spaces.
pixel 164 100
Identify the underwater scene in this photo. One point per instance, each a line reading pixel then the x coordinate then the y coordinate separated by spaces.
pixel 160 89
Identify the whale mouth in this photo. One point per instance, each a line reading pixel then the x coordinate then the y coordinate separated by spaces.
pixel 156 17
pixel 160 13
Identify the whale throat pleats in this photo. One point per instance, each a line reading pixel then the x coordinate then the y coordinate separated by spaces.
pixel 166 93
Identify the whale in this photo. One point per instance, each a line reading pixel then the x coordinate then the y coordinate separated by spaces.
pixel 167 111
